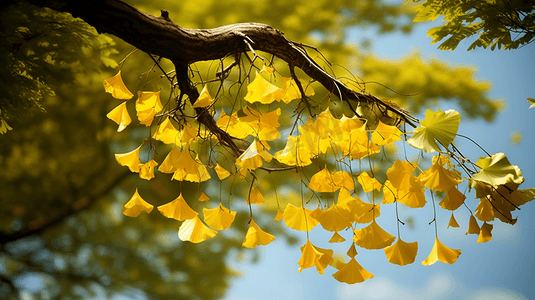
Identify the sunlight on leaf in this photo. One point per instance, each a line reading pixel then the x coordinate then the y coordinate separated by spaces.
pixel 256 236
pixel 177 209
pixel 130 159
pixel 194 230
pixel 120 116
pixel 299 218
pixel 441 253
pixel 136 205
pixel 437 126
pixel 219 218
pixel 116 87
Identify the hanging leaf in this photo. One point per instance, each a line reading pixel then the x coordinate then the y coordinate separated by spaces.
pixel 194 230
pixel 437 126
pixel 401 253
pixel 496 170
pixel 120 116
pixel 115 86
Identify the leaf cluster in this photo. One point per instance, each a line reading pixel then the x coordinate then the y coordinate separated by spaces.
pixel 496 23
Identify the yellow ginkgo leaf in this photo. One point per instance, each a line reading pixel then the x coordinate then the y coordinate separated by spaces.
pixel 256 236
pixel 414 197
pixel 147 105
pixel 335 218
pixel 120 116
pixel 337 238
pixel 203 197
pixel 194 230
pixel 279 215
pixel 453 222
pixel 204 99
pixel 130 159
pixel 252 158
pixel 485 211
pixel 343 179
pixel 115 86
pixel 263 124
pixel 190 169
pixel 441 253
pixel 221 172
pixel 352 252
pixel 295 153
pixel 260 90
pixel 177 209
pixel 473 227
pixel 496 170
pixel 385 134
pixel 169 164
pixel 400 173
pixel 255 197
pixel 485 234
pixel 234 126
pixel 352 272
pixel 309 257
pixel 267 70
pixel 299 218
pixel 167 133
pixel 373 237
pixel 219 218
pixel 438 178
pixel 368 183
pixel 390 193
pixel 322 181
pixel 291 90
pixel 401 253
pixel 438 127
pixel 136 205
pixel 453 199
pixel 146 170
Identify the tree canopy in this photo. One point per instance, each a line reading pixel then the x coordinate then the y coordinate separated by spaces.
pixel 223 112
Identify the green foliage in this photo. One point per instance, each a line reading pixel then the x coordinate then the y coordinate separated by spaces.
pixel 497 23
pixel 37 48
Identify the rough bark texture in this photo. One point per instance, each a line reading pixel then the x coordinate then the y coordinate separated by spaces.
pixel 162 37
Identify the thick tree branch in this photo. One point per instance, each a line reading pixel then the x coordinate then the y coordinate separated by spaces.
pixel 161 36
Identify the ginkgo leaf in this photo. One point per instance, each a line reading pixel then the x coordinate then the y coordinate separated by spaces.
pixel 203 197
pixel 441 253
pixel 309 256
pixel 252 158
pixel 453 199
pixel 219 218
pixel 130 159
pixel 267 70
pixel 234 126
pixel 190 169
pixel 496 170
pixel 532 102
pixel 401 253
pixel 294 154
pixel 279 215
pixel 322 181
pixel 485 211
pixel 473 227
pixel 373 237
pixel 400 173
pixel 167 133
pixel 437 126
pixel 146 170
pixel 115 86
pixel 136 205
pixel 120 116
pixel 299 218
pixel 485 234
pixel 177 209
pixel 335 218
pixel 414 196
pixel 352 273
pixel 337 238
pixel 390 193
pixel 204 99
pixel 291 90
pixel 438 178
pixel 256 236
pixel 260 90
pixel 147 105
pixel 368 183
pixel 352 252
pixel 453 222
pixel 263 124
pixel 222 173
pixel 195 231
pixel 169 164
pixel 342 179
pixel 385 134
pixel 255 197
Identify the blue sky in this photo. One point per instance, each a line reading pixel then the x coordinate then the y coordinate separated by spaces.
pixel 500 269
